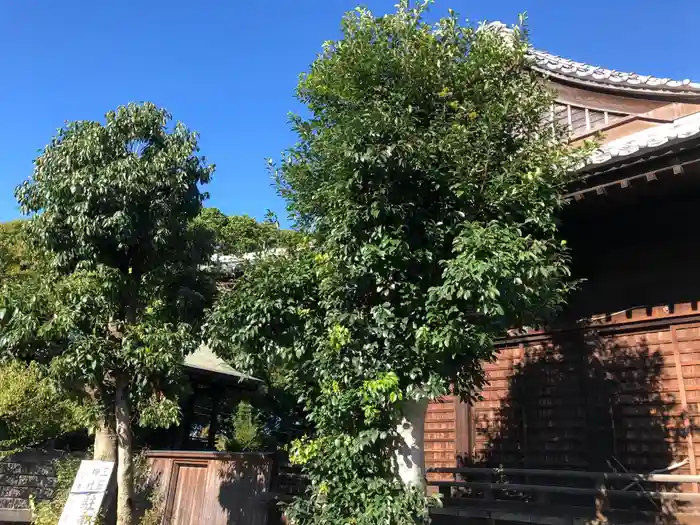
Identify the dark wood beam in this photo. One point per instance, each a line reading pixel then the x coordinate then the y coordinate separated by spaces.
pixel 623 176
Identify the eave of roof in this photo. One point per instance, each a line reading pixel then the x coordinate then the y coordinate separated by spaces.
pixel 648 140
pixel 203 359
pixel 596 76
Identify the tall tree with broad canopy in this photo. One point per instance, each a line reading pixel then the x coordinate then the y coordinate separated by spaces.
pixel 113 205
pixel 431 184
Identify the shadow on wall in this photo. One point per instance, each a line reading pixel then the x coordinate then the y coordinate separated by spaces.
pixel 212 488
pixel 149 499
pixel 585 402
pixel 244 495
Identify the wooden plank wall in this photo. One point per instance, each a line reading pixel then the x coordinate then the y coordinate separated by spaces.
pixel 627 397
pixel 440 436
pixel 213 488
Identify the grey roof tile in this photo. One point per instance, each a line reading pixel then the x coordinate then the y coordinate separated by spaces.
pixel 572 70
pixel 578 71
pixel 684 128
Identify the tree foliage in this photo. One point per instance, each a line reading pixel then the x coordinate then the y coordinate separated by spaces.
pixel 11 256
pixel 18 258
pixel 112 204
pixel 32 408
pixel 241 234
pixel 431 183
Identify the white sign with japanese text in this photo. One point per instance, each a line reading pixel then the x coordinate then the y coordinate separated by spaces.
pixel 87 493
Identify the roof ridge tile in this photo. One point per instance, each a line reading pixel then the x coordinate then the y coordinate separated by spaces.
pixel 575 70
pixel 579 71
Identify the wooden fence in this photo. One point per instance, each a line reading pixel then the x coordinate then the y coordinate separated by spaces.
pixel 213 488
pixel 563 497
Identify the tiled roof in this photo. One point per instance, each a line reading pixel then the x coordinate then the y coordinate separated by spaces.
pixel 649 139
pixel 571 70
pixel 595 75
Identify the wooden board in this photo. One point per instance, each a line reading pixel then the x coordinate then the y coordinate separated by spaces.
pixel 87 493
pixel 213 488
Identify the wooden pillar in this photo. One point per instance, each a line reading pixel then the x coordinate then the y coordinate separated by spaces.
pixel 215 393
pixel 471 422
pixel 464 429
pixel 184 429
pixel 522 396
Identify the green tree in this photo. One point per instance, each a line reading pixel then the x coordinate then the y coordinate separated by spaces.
pixel 113 204
pixel 18 258
pixel 243 432
pixel 10 251
pixel 238 235
pixel 39 293
pixel 32 409
pixel 241 234
pixel 432 185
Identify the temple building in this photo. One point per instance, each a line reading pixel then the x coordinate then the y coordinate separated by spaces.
pixel 614 383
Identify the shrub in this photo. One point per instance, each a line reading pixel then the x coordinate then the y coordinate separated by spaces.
pixel 243 433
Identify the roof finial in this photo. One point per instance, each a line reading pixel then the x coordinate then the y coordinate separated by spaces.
pixel 496 26
pixel 499 29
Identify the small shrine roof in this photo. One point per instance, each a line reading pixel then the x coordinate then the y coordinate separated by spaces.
pixel 205 360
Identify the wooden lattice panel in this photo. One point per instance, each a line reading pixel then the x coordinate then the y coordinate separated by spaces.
pixel 590 401
pixel 440 438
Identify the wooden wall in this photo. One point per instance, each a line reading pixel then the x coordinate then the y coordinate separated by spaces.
pixel 212 487
pixel 618 390
pixel 623 395
pixel 447 433
pixel 440 435
pixel 588 400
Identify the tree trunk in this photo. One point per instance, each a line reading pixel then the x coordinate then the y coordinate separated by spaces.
pixel 409 454
pixel 125 463
pixel 105 448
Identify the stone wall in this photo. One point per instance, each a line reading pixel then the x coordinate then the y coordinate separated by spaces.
pixel 29 473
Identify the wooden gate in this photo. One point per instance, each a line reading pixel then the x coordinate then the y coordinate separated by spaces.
pixel 213 487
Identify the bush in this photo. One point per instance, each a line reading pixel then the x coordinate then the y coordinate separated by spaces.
pixel 243 433
pixel 149 499
pixel 32 409
pixel 49 512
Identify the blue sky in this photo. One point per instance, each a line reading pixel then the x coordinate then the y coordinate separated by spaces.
pixel 228 69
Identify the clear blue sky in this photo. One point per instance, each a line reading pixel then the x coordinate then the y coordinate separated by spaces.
pixel 228 69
